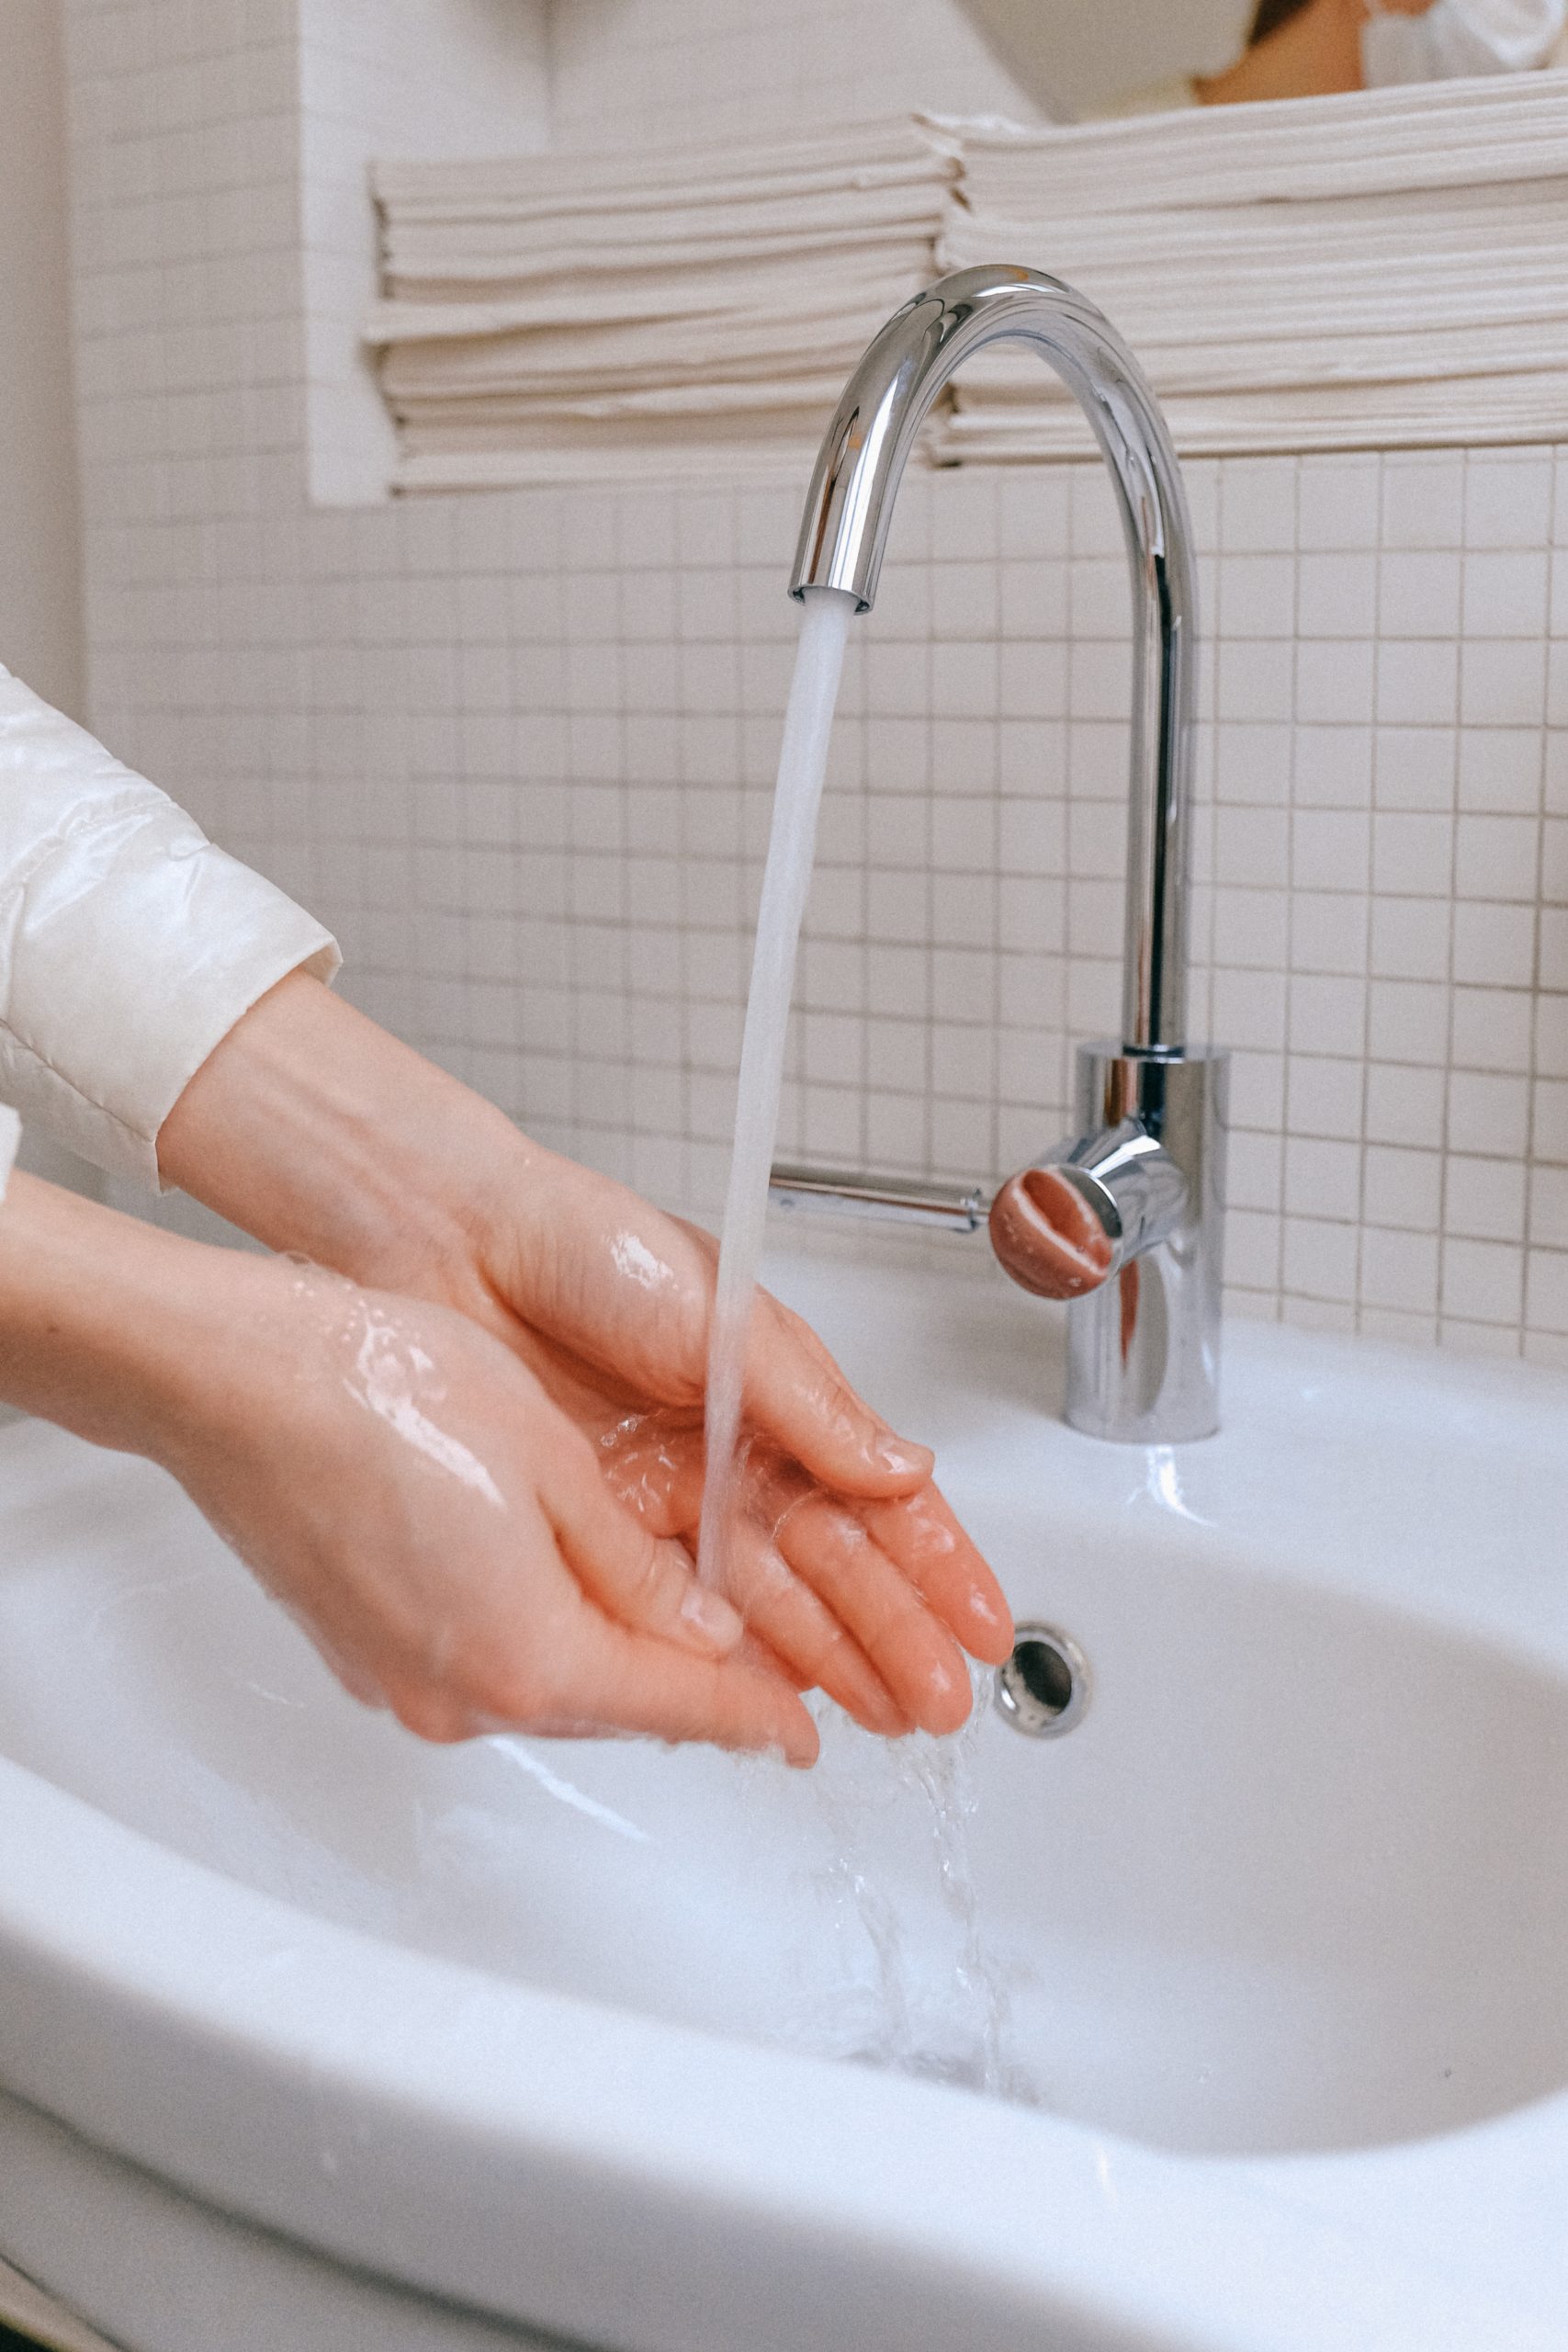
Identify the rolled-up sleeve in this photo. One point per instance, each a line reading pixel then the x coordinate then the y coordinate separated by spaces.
pixel 130 945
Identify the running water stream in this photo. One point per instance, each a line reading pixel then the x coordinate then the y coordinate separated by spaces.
pixel 940 1772
pixel 792 847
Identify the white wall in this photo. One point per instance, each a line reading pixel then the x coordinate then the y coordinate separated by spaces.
pixel 1075 56
pixel 660 71
pixel 41 585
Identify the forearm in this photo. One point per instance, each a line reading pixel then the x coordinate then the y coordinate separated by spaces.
pixel 314 1129
pixel 109 1325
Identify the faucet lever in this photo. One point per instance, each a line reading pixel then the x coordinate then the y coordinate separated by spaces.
pixel 894 1200
pixel 1066 1224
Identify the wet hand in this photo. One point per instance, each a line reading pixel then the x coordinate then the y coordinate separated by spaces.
pixel 317 1131
pixel 844 1560
pixel 444 1534
pixel 872 1602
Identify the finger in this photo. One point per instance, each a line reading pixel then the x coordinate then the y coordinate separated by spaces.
pixel 637 1576
pixel 916 1656
pixel 921 1535
pixel 758 1653
pixel 786 1614
pixel 596 1677
pixel 796 1393
pixel 656 1470
pixel 777 1607
pixel 618 1678
pixel 664 1486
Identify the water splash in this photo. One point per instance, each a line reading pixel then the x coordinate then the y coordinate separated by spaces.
pixel 636 1260
pixel 389 1371
pixel 945 1771
pixel 909 1997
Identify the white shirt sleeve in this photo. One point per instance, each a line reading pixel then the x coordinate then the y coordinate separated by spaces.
pixel 128 944
pixel 1461 37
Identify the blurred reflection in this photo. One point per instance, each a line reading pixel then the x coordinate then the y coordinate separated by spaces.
pixel 1299 49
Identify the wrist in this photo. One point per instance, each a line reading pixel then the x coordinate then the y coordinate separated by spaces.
pixel 126 1335
pixel 315 1130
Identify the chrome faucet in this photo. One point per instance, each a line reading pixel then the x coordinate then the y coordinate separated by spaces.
pixel 1125 1219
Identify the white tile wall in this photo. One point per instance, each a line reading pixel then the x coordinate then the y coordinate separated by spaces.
pixel 518 749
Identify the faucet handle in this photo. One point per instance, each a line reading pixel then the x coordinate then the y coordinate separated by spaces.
pixel 1067 1224
pixel 1054 1234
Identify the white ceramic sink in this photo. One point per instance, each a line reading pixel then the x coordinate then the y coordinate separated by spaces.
pixel 1279 1929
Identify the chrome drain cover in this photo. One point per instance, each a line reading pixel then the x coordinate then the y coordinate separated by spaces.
pixel 1045 1686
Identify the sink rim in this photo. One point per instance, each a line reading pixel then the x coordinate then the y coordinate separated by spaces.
pixel 211 2055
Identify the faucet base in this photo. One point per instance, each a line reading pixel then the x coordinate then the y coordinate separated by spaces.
pixel 1143 1349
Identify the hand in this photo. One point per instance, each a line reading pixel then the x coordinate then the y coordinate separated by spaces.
pixel 832 1587
pixel 391 1474
pixel 317 1131
pixel 844 1558
pixel 394 1476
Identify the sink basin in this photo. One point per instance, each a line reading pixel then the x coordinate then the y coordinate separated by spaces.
pixel 1236 2016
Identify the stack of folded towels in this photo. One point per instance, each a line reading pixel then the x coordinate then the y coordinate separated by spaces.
pixel 1376 270
pixel 1380 270
pixel 554 316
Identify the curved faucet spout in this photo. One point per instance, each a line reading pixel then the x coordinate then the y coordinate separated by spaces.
pixel 1125 1218
pixel 851 506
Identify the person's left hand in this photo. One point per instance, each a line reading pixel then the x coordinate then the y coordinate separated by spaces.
pixel 317 1131
pixel 844 1557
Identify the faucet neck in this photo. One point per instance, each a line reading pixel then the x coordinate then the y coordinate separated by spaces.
pixel 850 508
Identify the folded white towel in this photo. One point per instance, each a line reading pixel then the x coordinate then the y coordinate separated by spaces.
pixel 855 155
pixel 549 310
pixel 1363 144
pixel 795 283
pixel 1370 271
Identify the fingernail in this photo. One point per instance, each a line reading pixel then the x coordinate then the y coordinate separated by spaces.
pixel 802 1746
pixel 906 1461
pixel 709 1614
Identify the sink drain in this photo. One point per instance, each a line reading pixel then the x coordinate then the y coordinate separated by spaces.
pixel 1045 1686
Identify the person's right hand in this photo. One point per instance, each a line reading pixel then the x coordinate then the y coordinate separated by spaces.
pixel 392 1472
pixel 401 1483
